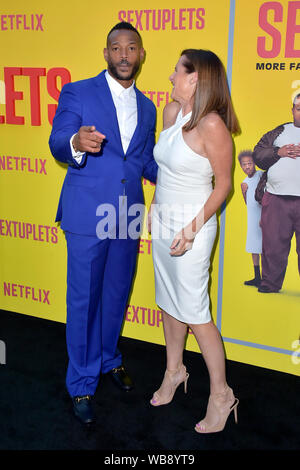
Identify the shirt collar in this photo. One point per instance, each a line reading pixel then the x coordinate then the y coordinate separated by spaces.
pixel 117 88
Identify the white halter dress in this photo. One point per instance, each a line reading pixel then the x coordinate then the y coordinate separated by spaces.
pixel 184 183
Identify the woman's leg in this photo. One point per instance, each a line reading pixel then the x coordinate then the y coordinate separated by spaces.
pixel 175 333
pixel 221 401
pixel 211 346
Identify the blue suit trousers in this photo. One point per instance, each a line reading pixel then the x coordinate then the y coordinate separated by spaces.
pixel 99 279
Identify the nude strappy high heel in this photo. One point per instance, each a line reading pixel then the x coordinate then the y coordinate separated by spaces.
pixel 172 379
pixel 219 407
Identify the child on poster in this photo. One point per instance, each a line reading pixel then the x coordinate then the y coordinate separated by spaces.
pixel 254 233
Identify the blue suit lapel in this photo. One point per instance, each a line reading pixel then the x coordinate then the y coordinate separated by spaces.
pixel 107 104
pixel 140 118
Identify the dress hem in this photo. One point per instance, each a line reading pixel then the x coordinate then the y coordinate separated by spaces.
pixel 184 321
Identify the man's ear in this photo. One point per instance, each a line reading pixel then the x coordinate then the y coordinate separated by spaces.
pixel 105 53
pixel 142 54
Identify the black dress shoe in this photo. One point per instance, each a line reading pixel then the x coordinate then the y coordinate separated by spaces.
pixel 267 290
pixel 83 410
pixel 121 378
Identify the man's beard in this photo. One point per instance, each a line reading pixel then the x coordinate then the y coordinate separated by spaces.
pixel 114 72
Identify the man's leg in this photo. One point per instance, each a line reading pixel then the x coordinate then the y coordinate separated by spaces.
pixel 117 282
pixel 86 262
pixel 277 230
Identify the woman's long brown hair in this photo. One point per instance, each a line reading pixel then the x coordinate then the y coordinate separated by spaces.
pixel 212 92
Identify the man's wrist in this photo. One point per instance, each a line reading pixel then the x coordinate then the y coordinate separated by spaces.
pixel 76 154
pixel 73 141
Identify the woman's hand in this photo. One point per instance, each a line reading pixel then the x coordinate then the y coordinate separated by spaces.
pixel 183 241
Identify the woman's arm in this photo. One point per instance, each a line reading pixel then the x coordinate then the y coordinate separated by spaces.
pixel 149 215
pixel 217 146
pixel 170 113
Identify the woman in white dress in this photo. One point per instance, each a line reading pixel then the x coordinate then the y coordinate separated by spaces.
pixel 194 146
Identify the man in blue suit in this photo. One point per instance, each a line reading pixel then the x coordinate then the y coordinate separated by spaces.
pixel 104 129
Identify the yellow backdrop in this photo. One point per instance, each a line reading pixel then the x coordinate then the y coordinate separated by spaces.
pixel 46 44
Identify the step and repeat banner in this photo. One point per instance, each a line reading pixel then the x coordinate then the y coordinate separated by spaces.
pixel 47 44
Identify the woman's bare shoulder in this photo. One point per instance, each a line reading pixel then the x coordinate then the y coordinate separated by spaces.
pixel 212 121
pixel 170 113
pixel 213 127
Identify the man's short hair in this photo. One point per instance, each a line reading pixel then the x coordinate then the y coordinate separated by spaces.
pixel 296 98
pixel 124 25
pixel 245 153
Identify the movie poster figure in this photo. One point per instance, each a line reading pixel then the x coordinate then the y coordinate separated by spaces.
pixel 254 233
pixel 278 151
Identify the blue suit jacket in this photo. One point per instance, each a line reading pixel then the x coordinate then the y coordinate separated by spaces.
pixel 106 176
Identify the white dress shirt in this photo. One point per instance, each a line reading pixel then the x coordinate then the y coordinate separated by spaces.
pixel 125 103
